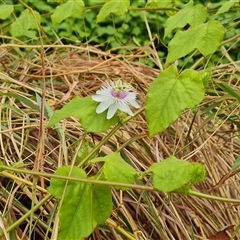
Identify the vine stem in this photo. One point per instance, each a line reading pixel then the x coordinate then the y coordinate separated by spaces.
pixel 66 178
pixel 211 197
pixel 110 134
pixel 105 183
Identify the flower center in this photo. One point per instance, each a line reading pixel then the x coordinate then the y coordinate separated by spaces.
pixel 118 94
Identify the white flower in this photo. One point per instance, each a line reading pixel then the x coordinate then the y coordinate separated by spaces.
pixel 113 96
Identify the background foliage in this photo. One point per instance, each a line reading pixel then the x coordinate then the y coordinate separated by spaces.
pixel 128 30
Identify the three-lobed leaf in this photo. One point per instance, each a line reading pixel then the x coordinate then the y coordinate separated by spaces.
pixel 102 202
pixel 205 37
pixel 76 217
pixel 117 7
pixel 85 110
pixel 83 206
pixel 71 8
pixel 76 214
pixel 169 95
pixel 5 11
pixel 57 186
pixel 192 15
pixel 174 174
pixel 27 20
pixel 116 169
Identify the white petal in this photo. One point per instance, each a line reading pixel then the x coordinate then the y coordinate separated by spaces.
pixel 125 108
pixel 131 98
pixel 108 101
pixel 105 91
pixel 134 103
pixel 131 95
pixel 112 110
pixel 103 106
pixel 101 98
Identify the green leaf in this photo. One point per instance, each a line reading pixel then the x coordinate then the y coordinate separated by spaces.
pixel 27 20
pixel 164 4
pixel 160 4
pixel 118 7
pixel 226 6
pixel 229 90
pixel 83 206
pixel 85 109
pixel 236 164
pixel 117 170
pixel 76 213
pixel 5 11
pixel 169 95
pixel 102 203
pixel 192 15
pixel 173 174
pixel 57 186
pixel 72 8
pixel 205 37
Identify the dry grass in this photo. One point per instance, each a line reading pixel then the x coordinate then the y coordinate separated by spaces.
pixel 208 136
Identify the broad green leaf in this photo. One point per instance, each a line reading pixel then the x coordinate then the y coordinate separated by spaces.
pixel 236 164
pixel 83 206
pixel 192 15
pixel 102 203
pixel 173 174
pixel 76 221
pixel 226 6
pixel 205 37
pixel 27 20
pixel 57 186
pixel 5 11
pixel 117 170
pixel 72 8
pixel 118 7
pixel 76 213
pixel 85 110
pixel 160 4
pixel 169 95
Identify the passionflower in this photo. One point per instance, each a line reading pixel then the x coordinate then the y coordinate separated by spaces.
pixel 115 95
